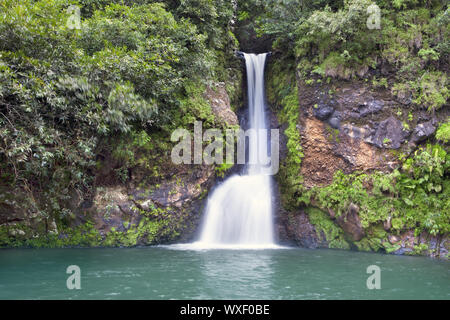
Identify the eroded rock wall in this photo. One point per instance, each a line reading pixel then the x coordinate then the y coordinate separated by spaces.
pixel 353 127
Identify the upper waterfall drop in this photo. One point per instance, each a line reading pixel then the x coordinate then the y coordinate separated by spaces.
pixel 239 211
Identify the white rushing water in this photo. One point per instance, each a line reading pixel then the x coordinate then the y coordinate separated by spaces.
pixel 239 211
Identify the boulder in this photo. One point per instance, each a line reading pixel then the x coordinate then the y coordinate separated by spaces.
pixel 370 107
pixel 350 222
pixel 423 131
pixel 387 225
pixel 335 120
pixel 303 232
pixel 16 232
pixel 393 239
pixel 220 105
pixel 389 134
pixel 323 111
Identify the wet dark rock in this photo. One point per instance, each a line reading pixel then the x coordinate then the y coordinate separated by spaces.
pixel 402 251
pixel 423 131
pixel 323 111
pixel 303 232
pixel 389 134
pixel 367 131
pixel 438 246
pixel 366 108
pixel 354 115
pixel 423 117
pixel 371 107
pixel 335 120
pixel 239 54
pixel 248 39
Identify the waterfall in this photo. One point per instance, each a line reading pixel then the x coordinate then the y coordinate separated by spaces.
pixel 239 211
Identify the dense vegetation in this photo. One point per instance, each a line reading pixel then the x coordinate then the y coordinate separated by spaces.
pixel 68 95
pixel 331 39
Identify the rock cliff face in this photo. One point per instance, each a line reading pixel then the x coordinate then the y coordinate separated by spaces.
pixel 297 228
pixel 220 105
pixel 353 127
pixel 175 203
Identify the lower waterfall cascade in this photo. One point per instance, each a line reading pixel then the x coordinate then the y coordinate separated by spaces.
pixel 239 211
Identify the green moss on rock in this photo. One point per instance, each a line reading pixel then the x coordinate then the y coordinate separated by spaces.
pixel 326 229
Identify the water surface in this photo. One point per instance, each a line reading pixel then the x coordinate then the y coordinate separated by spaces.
pixel 168 273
